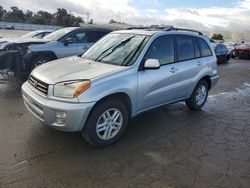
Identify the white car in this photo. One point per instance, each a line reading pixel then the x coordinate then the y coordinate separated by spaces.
pixel 31 37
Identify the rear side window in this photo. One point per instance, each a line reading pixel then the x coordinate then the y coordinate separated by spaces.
pixel 204 48
pixel 196 49
pixel 185 48
pixel 94 36
pixel 218 49
pixel 163 49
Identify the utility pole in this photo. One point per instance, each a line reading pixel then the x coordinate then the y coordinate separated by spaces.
pixel 87 17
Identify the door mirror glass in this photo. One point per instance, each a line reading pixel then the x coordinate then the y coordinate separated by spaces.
pixel 152 64
pixel 68 41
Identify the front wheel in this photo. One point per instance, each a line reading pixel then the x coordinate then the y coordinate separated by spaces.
pixel 106 123
pixel 199 96
pixel 39 60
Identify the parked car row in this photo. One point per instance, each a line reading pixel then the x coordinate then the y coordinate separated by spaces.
pixel 222 52
pixel 58 44
pixel 124 74
pixel 241 51
pixel 29 38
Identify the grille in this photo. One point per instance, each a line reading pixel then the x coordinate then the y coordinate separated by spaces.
pixel 39 85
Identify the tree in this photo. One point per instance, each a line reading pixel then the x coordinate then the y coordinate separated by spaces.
pixel 2 13
pixel 91 21
pixel 15 15
pixel 217 36
pixel 61 17
pixel 42 17
pixel 28 16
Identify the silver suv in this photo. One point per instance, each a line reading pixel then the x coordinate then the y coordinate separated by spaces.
pixel 124 74
pixel 64 42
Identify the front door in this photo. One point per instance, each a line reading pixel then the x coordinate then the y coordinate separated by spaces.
pixel 157 87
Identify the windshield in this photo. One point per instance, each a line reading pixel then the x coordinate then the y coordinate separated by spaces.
pixel 58 34
pixel 30 35
pixel 117 49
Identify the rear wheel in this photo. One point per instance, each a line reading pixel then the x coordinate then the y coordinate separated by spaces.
pixel 233 54
pixel 199 96
pixel 106 123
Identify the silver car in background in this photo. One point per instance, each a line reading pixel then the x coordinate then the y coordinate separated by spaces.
pixel 31 37
pixel 124 74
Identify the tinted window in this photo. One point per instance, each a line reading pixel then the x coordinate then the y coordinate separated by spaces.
pixel 94 36
pixel 204 48
pixel 185 48
pixel 218 49
pixel 163 49
pixel 224 48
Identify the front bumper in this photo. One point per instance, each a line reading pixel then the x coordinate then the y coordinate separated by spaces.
pixel 214 80
pixel 45 110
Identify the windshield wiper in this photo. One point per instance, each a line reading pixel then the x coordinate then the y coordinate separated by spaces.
pixel 133 51
pixel 114 47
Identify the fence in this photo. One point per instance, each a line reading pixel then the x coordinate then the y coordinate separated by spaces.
pixel 25 26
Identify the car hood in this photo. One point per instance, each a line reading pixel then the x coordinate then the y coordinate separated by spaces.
pixel 72 68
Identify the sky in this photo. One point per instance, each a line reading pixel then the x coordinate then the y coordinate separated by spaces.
pixel 232 15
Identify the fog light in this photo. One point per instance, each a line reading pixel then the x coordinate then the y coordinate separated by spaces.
pixel 61 118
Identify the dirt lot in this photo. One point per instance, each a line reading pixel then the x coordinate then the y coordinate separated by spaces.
pixel 4 33
pixel 168 147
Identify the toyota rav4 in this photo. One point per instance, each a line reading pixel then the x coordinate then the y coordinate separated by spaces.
pixel 124 74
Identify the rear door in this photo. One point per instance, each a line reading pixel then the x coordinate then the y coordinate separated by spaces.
pixel 187 66
pixel 193 56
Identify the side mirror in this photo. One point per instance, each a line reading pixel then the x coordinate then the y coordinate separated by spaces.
pixel 152 64
pixel 68 41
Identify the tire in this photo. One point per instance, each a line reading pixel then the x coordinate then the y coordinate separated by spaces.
pixel 193 103
pixel 227 58
pixel 233 53
pixel 39 60
pixel 97 117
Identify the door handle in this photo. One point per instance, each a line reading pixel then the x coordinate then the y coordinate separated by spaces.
pixel 199 63
pixel 173 70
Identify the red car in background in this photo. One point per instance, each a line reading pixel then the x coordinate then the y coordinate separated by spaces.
pixel 241 51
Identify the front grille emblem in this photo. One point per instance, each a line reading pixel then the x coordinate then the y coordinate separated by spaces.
pixel 35 83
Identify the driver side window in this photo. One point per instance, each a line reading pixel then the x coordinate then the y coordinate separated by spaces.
pixel 162 49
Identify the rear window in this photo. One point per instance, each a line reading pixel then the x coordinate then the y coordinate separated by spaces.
pixel 204 48
pixel 185 48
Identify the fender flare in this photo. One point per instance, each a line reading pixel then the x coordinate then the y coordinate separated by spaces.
pixel 30 56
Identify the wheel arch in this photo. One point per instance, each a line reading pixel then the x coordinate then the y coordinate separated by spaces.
pixel 123 97
pixel 50 54
pixel 208 80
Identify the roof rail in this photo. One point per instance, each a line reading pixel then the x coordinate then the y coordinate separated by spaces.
pixel 171 28
pixel 166 28
pixel 149 28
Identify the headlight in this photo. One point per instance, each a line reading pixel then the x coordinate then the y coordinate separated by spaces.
pixel 71 89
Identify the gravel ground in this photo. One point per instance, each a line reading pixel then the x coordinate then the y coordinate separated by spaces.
pixel 4 33
pixel 169 147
